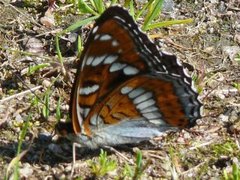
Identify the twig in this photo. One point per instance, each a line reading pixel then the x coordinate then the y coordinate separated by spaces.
pixel 20 94
pixel 194 168
pixel 234 8
pixel 201 145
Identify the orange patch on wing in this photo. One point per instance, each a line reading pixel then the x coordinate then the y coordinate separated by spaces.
pixel 120 107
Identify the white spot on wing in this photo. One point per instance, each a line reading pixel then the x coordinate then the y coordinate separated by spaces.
pixel 126 90
pixel 93 120
pixel 136 92
pixel 110 59
pixel 116 67
pixel 78 108
pixel 152 115
pixel 143 97
pixel 89 60
pixel 95 29
pixel 129 70
pixel 135 31
pixel 145 104
pixel 96 120
pixel 149 109
pixel 119 18
pixel 158 122
pixel 88 90
pixel 96 36
pixel 98 60
pixel 115 43
pixel 84 62
pixel 105 37
pixel 85 112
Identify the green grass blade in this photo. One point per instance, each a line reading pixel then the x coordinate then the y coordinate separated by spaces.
pixel 126 3
pixel 225 175
pixel 99 6
pixel 21 138
pixel 84 8
pixel 154 11
pixel 131 7
pixel 79 24
pixel 103 165
pixel 59 54
pixel 143 9
pixel 58 110
pixel 33 69
pixel 79 46
pixel 235 171
pixel 168 23
pixel 23 134
pixel 45 110
pixel 139 160
pixel 15 161
pixel 113 2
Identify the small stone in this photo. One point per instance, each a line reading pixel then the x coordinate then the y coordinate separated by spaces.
pixel 46 83
pixel 235 128
pixel 48 20
pixel 186 135
pixel 181 140
pixel 69 168
pixel 213 83
pixel 168 5
pixel 220 94
pixel 26 171
pixel 209 49
pixel 34 45
pixel 223 118
pixel 19 118
pixel 237 38
pixel 231 51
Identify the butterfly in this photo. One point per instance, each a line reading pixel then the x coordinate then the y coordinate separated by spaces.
pixel 126 90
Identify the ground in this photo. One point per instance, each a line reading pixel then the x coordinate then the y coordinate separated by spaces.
pixel 209 46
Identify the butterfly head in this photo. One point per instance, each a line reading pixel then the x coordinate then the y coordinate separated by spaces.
pixel 64 128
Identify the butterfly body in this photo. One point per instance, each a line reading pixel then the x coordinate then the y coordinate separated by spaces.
pixel 126 90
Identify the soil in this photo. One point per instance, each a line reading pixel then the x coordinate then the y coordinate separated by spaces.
pixel 209 48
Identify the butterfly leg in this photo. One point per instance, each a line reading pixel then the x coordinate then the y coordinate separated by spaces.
pixel 75 145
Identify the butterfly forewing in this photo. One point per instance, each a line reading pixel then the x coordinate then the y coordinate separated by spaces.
pixel 110 57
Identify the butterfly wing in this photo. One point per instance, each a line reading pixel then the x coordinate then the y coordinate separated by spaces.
pixel 123 75
pixel 160 99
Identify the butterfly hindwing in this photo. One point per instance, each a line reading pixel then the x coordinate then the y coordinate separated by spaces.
pixel 152 97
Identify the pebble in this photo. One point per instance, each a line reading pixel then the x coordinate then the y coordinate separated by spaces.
pixel 46 83
pixel 231 51
pixel 223 118
pixel 237 38
pixel 26 171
